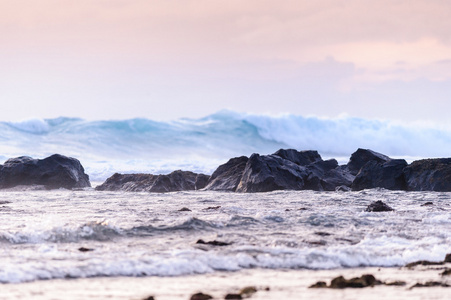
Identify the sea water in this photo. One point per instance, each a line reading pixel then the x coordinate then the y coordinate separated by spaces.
pixel 149 234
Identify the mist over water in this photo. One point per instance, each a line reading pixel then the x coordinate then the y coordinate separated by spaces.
pixel 200 145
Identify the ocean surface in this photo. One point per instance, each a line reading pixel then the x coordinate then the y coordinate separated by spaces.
pixel 147 234
pixel 200 145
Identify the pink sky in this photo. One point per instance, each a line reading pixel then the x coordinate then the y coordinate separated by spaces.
pixel 167 59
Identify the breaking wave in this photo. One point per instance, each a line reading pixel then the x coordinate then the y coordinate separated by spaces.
pixel 143 145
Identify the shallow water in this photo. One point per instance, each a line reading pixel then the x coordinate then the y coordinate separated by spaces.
pixel 143 234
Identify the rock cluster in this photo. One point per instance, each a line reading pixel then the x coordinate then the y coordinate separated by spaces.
pixel 175 181
pixel 53 172
pixel 289 169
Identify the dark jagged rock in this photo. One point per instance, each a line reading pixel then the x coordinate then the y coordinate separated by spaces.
pixel 53 172
pixel 302 158
pixel 378 206
pixel 423 263
pixel 227 176
pixel 429 175
pixel 388 175
pixel 447 258
pixel 269 173
pixel 233 296
pixel 340 282
pixel 184 209
pixel 201 296
pixel 430 284
pixel 428 204
pixel 447 272
pixel 361 157
pixel 326 175
pixel 175 181
pixel 213 243
pixel 84 249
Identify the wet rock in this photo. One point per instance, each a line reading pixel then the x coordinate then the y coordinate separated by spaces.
pixel 212 243
pixel 395 283
pixel 319 284
pixel 201 296
pixel 429 175
pixel 248 291
pixel 326 175
pixel 321 233
pixel 233 296
pixel 84 249
pixel 378 206
pixel 301 158
pixel 175 181
pixel 423 263
pixel 427 204
pixel 357 282
pixel 447 258
pixel 53 172
pixel 227 176
pixel 361 157
pixel 184 209
pixel 149 298
pixel 447 272
pixel 430 284
pixel 213 207
pixel 383 174
pixel 269 173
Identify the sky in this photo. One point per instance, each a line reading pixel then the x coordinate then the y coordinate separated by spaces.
pixel 168 59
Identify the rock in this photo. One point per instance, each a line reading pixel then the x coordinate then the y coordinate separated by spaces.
pixel 361 157
pixel 53 172
pixel 378 206
pixel 427 204
pixel 302 158
pixel 175 181
pixel 319 284
pixel 233 296
pixel 83 249
pixel 423 263
pixel 213 243
pixel 227 176
pixel 149 298
pixel 326 175
pixel 269 173
pixel 213 207
pixel 388 175
pixel 357 282
pixel 201 296
pixel 447 258
pixel 430 284
pixel 429 175
pixel 184 209
pixel 446 272
pixel 248 291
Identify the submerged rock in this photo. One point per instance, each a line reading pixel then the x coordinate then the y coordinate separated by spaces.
pixel 378 206
pixel 429 175
pixel 53 172
pixel 340 282
pixel 201 296
pixel 175 181
pixel 213 243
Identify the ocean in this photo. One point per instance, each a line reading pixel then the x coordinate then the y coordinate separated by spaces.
pixel 87 244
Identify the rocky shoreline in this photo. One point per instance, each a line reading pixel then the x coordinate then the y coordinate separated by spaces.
pixel 286 169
